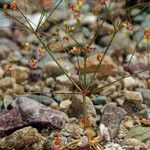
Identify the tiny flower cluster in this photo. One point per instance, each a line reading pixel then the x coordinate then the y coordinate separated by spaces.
pixel 75 7
pixel 129 26
pixel 12 5
pixel 102 2
pixel 34 62
pixel 147 35
pixel 9 68
pixel 67 27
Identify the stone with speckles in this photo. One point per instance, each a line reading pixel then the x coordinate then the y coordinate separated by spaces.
pixel 24 112
pixel 112 117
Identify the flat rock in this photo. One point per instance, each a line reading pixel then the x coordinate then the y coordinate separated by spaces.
pixel 136 67
pixel 25 112
pixel 21 139
pixel 77 107
pixel 129 83
pixel 7 82
pixel 146 95
pixel 64 105
pixel 52 69
pixel 107 67
pixel 112 117
pixel 142 134
pixel 20 73
pixel 42 99
pixel 134 97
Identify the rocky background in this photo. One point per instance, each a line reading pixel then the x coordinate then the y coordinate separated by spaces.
pixel 40 108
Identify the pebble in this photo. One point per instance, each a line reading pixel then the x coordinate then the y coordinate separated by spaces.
pixel 1 73
pixel 7 82
pixel 109 90
pixel 129 83
pixel 42 99
pixel 25 112
pixel 49 82
pixel 142 134
pixel 4 51
pixel 99 100
pixel 128 124
pixel 134 97
pixel 52 69
pixel 112 117
pixel 7 100
pixel 107 67
pixel 136 67
pixel 99 109
pixel 145 113
pixel 77 108
pixel 20 73
pixel 63 79
pixel 134 144
pixel 65 105
pixel 18 89
pixel 146 95
pixel 22 138
pixel 54 106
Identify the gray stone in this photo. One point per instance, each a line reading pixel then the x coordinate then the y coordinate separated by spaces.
pixel 142 134
pixel 99 100
pixel 77 107
pixel 42 99
pixel 27 112
pixel 7 101
pixel 21 139
pixel 65 105
pixel 134 97
pixel 146 95
pixel 112 117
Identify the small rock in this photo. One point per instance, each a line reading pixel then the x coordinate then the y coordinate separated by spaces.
pixel 139 133
pixel 146 95
pixel 50 82
pixel 1 73
pixel 14 57
pixel 54 106
pixel 20 73
pixel 107 67
pixel 1 93
pixel 145 113
pixel 7 101
pixel 109 90
pixel 42 99
pixel 52 69
pixel 4 51
pixel 136 67
pixel 27 112
pixel 135 144
pixel 129 83
pixel 113 146
pixel 18 89
pixel 11 45
pixel 134 97
pixel 99 109
pixel 83 142
pixel 63 79
pixel 112 117
pixel 77 108
pixel 104 132
pixel 21 139
pixel 7 82
pixel 64 105
pixel 99 100
pixel 128 124
pixel 120 101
